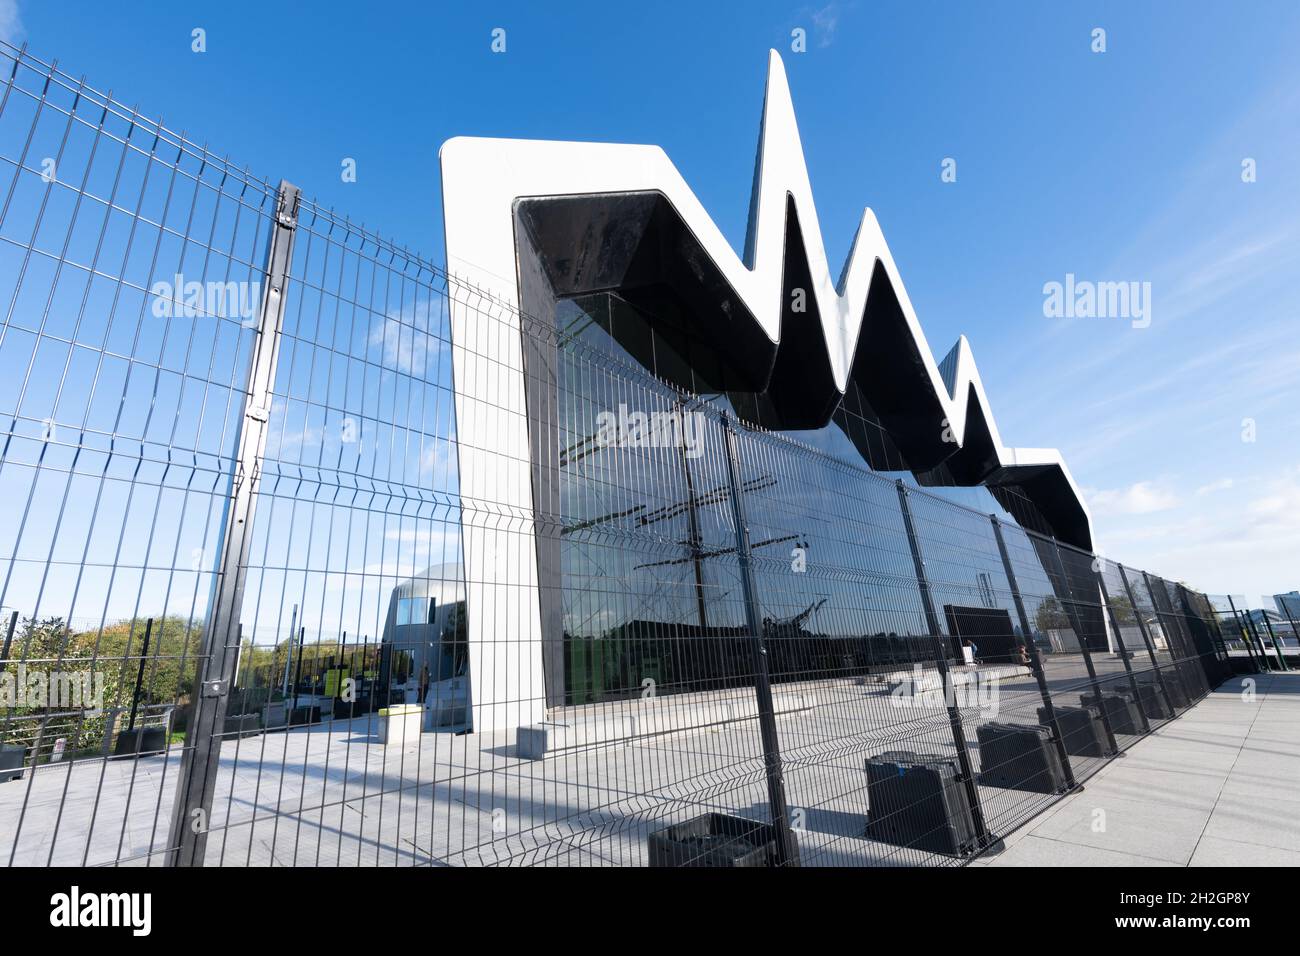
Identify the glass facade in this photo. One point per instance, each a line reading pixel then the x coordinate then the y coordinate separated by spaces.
pixel 650 583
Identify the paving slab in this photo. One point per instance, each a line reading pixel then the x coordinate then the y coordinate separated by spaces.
pixel 1220 786
pixel 1036 850
pixel 1213 851
pixel 1267 823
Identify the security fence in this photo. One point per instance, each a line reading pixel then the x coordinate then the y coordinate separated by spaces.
pixel 1250 632
pixel 236 627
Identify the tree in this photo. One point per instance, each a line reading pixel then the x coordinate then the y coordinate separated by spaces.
pixel 1123 610
pixel 104 667
pixel 1050 615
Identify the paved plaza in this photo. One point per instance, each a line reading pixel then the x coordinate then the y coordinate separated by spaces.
pixel 1218 787
pixel 1198 789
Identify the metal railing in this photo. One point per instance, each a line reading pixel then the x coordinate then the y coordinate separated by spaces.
pixel 231 467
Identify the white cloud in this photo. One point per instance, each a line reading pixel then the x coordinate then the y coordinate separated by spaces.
pixel 1140 498
pixel 1223 484
pixel 11 22
pixel 1240 543
pixel 409 339
pixel 826 22
pixel 1279 509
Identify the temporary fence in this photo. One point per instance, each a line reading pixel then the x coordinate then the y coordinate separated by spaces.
pixel 235 617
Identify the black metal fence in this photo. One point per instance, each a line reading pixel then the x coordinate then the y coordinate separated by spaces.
pixel 236 619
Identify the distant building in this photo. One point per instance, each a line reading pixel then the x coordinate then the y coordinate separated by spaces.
pixel 1289 605
pixel 425 628
pixel 1281 627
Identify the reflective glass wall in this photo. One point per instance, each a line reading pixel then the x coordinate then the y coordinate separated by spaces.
pixel 648 562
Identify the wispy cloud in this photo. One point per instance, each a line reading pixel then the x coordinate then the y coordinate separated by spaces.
pixel 11 22
pixel 409 339
pixel 1279 508
pixel 1223 484
pixel 1240 543
pixel 1140 498
pixel 1185 430
pixel 826 22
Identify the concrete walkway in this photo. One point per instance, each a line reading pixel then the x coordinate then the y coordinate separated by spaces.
pixel 1218 786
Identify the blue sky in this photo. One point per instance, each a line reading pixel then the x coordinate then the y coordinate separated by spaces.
pixel 1117 166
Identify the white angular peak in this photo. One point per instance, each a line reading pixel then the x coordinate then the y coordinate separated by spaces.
pixel 482 179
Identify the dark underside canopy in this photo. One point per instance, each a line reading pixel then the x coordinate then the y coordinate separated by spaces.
pixel 637 245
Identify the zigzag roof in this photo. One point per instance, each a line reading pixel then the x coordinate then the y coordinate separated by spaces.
pixel 484 178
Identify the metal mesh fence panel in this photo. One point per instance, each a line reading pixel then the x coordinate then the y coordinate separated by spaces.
pixel 123 388
pixel 245 483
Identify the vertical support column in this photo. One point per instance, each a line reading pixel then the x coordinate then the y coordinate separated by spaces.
pixel 941 662
pixel 1123 653
pixel 219 653
pixel 785 846
pixel 1034 655
pixel 1073 615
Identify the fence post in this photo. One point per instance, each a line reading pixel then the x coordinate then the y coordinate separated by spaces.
pixel 1211 622
pixel 1223 666
pixel 1035 657
pixel 1243 635
pixel 1277 648
pixel 785 846
pixel 1281 606
pixel 1192 679
pixel 1256 654
pixel 9 637
pixel 1146 637
pixel 197 777
pixel 139 677
pixel 1073 615
pixel 288 653
pixel 1123 651
pixel 982 834
pixel 4 663
pixel 1170 636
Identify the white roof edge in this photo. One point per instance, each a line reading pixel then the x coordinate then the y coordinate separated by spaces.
pixel 482 178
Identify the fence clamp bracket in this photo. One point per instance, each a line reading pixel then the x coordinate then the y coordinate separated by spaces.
pixel 286 207
pixel 215 688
